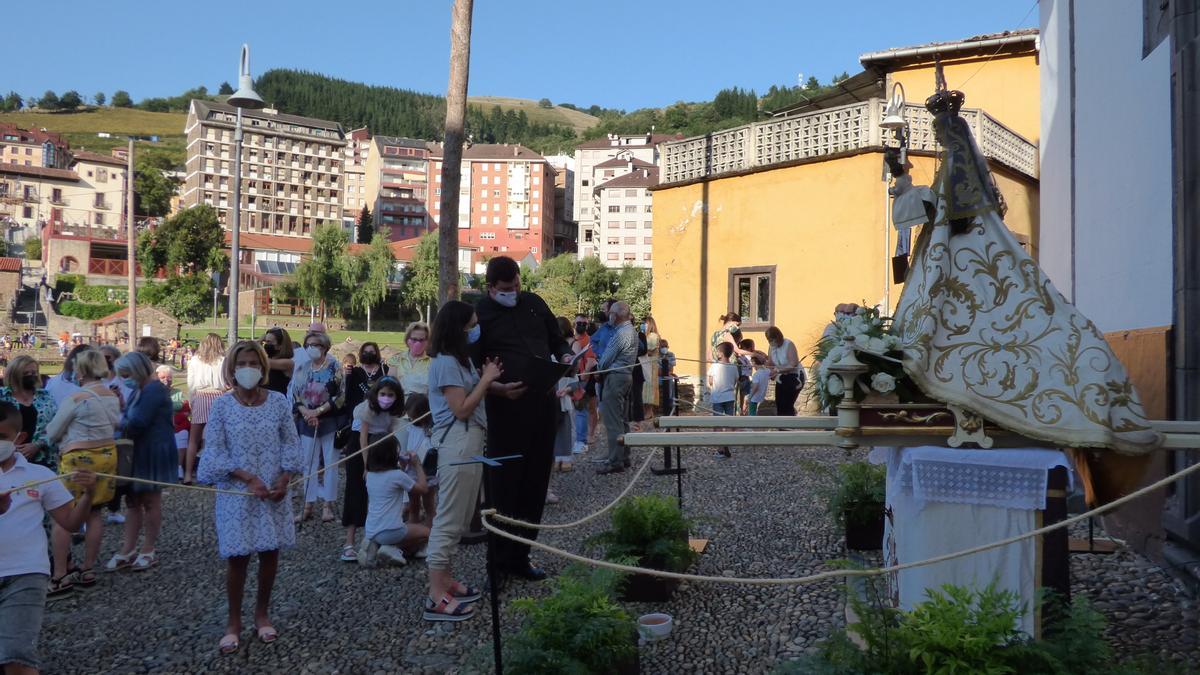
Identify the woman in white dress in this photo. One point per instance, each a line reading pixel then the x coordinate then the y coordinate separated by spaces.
pixel 250 446
pixel 205 382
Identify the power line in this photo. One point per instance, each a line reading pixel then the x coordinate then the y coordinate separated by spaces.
pixel 1000 46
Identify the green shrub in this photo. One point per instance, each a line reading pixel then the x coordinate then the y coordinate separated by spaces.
pixel 651 530
pixel 101 294
pixel 959 630
pixel 859 494
pixel 578 629
pixel 88 311
pixel 33 248
pixel 66 283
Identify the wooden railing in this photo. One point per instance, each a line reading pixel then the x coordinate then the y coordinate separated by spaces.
pixel 827 132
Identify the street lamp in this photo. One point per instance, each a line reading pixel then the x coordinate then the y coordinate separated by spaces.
pixel 244 97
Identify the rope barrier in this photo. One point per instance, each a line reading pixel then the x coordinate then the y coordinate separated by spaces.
pixel 487 514
pixel 575 523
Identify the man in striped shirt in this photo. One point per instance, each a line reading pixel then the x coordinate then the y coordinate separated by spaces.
pixel 620 353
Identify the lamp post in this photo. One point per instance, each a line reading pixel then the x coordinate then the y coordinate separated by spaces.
pixel 244 97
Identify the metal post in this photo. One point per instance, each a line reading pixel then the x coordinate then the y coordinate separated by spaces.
pixel 131 246
pixel 493 577
pixel 235 252
pixel 214 306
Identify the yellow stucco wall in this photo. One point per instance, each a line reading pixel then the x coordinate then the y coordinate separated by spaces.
pixel 821 224
pixel 1007 87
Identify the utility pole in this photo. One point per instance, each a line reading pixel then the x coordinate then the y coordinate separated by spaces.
pixel 452 149
pixel 131 247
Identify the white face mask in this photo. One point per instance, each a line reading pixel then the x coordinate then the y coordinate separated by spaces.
pixel 313 351
pixel 506 298
pixel 7 448
pixel 247 378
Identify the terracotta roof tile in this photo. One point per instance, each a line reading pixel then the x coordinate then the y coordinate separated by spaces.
pixel 271 242
pixel 39 171
pixel 10 264
pixel 639 178
pixel 618 161
pixel 97 158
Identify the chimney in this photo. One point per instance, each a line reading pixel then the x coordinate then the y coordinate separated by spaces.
pixel 516 151
pixel 270 111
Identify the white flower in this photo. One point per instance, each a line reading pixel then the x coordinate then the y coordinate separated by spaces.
pixel 876 345
pixel 860 311
pixel 883 383
pixel 836 354
pixel 833 385
pixel 893 341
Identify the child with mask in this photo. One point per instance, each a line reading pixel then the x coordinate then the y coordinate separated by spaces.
pixel 415 433
pixel 386 535
pixel 24 566
pixel 372 420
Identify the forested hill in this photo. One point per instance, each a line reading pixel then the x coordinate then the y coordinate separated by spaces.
pixel 401 112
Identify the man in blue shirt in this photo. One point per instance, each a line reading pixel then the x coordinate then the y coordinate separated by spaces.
pixel 619 356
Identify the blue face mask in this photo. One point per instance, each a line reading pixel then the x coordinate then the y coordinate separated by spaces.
pixel 473 334
pixel 131 383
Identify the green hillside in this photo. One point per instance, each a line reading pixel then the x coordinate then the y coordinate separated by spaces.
pixel 576 119
pixel 80 128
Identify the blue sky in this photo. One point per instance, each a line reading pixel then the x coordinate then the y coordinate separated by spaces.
pixel 615 53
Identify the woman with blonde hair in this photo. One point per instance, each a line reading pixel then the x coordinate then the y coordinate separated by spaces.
pixel 205 382
pixel 251 447
pixel 83 428
pixel 23 389
pixel 651 370
pixel 411 367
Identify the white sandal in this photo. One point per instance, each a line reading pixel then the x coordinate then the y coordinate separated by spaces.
pixel 144 561
pixel 120 562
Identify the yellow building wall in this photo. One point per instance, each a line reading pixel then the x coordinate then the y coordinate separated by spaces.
pixel 1007 87
pixel 821 224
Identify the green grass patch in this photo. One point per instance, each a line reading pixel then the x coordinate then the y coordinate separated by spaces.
pixel 577 120
pixel 112 120
pixel 394 339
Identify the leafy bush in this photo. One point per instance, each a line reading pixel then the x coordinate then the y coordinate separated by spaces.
pixel 102 294
pixel 959 630
pixel 88 311
pixel 578 629
pixel 859 494
pixel 651 530
pixel 64 283
pixel 33 249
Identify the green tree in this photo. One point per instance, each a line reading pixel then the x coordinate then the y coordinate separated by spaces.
pixel 369 275
pixel 12 102
pixel 49 101
pixel 321 279
pixel 187 297
pixel 152 187
pixel 225 89
pixel 366 232
pixel 190 242
pixel 121 99
pixel 545 103
pixel 813 83
pixel 100 98
pixel 634 285
pixel 594 284
pixel 70 100
pixel 421 279
pixel 33 248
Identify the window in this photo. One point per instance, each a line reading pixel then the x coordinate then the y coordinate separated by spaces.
pixel 648 210
pixel 612 256
pixel 648 225
pixel 631 193
pixel 495 167
pixel 496 206
pixel 56 196
pixel 752 295
pixel 495 193
pixel 99 218
pixel 535 194
pixel 630 224
pixel 648 240
pixel 483 194
pixel 631 256
pixel 535 220
pixel 585 182
pixel 614 224
pixel 646 255
pixel 587 234
pixel 631 241
pixel 487 235
pixel 27 212
pixel 613 241
pixel 608 173
pixel 535 208
pixel 631 208
pixel 613 208
pixel 495 220
pixel 483 220
pixel 101 175
pixel 437 192
pixel 484 180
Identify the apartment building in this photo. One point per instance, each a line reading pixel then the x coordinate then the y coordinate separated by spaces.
pixel 354 170
pixel 506 199
pixel 642 149
pixel 292 168
pixel 566 230
pixel 89 194
pixel 33 147
pixel 625 234
pixel 397 185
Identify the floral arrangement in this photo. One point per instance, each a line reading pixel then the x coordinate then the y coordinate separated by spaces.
pixel 876 347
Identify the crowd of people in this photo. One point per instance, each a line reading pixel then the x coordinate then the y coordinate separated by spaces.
pixel 503 377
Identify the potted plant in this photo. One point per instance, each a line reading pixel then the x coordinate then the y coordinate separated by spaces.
pixel 857 501
pixel 651 531
pixel 578 629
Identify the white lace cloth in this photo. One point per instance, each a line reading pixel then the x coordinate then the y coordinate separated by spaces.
pixel 1011 478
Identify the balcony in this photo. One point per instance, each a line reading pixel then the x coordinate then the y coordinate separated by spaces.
pixel 829 131
pixel 88 232
pixel 58 201
pixel 103 205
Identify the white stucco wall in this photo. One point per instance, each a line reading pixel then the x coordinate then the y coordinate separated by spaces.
pixel 1116 260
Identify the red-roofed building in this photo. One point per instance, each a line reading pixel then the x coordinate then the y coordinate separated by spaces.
pixel 506 199
pixel 33 147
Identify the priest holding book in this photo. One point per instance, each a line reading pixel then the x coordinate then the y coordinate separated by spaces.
pixel 518 328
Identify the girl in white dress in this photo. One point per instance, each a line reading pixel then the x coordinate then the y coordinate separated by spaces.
pixel 250 445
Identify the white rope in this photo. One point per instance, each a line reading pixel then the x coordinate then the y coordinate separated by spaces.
pixel 833 574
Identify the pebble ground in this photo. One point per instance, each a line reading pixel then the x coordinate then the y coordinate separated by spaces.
pixel 762 512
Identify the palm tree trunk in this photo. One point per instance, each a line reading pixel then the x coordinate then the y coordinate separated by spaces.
pixel 456 112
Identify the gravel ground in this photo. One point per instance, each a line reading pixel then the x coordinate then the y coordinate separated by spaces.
pixel 761 510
